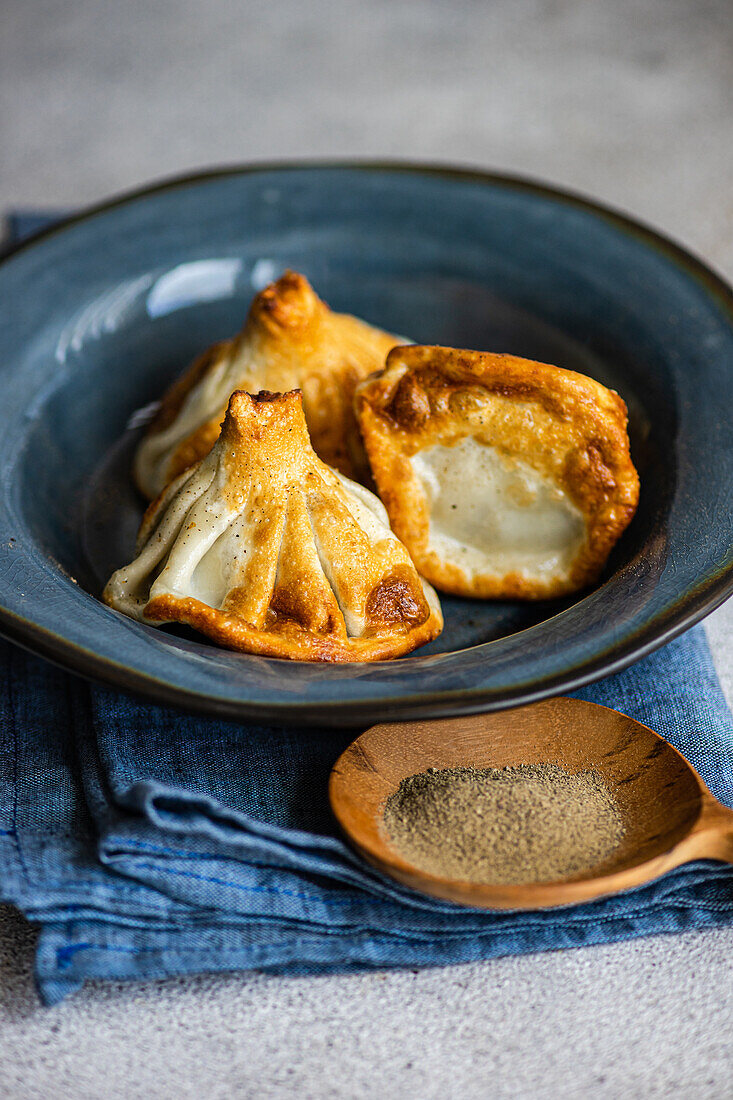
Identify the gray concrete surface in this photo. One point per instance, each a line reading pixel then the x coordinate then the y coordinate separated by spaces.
pixel 648 1018
pixel 629 100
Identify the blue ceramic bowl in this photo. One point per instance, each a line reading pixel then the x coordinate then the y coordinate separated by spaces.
pixel 99 315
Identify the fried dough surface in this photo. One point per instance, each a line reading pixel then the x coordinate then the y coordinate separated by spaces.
pixel 266 549
pixel 291 340
pixel 503 477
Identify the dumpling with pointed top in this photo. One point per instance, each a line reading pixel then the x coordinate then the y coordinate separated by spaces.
pixel 291 340
pixel 266 549
pixel 504 478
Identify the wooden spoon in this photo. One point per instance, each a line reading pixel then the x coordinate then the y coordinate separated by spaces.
pixel 669 814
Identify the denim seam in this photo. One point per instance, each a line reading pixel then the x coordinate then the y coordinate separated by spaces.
pixel 200 857
pixel 62 953
pixel 84 883
pixel 247 889
pixel 585 918
pixel 186 853
pixel 61 834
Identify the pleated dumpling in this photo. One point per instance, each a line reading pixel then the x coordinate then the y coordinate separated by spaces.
pixel 291 340
pixel 503 477
pixel 265 549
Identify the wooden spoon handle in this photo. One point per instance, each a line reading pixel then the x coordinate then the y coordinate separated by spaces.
pixel 712 836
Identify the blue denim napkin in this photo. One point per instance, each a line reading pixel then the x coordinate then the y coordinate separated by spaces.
pixel 147 843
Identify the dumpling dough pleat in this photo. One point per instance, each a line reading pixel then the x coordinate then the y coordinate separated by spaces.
pixel 266 549
pixel 302 593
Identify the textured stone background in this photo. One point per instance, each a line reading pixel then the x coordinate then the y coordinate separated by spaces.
pixel 628 100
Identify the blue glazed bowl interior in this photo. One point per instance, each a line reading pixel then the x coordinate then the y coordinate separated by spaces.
pixel 86 513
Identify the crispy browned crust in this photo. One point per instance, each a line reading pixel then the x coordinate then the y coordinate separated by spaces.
pixel 283 638
pixel 280 604
pixel 576 435
pixel 297 342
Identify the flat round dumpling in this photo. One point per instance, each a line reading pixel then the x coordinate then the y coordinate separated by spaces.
pixel 291 340
pixel 266 549
pixel 503 477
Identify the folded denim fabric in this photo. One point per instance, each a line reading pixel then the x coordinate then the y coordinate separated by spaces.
pixel 147 843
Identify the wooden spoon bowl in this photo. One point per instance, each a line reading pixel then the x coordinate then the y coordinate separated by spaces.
pixel 670 817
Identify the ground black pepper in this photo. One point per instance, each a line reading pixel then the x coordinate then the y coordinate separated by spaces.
pixel 527 823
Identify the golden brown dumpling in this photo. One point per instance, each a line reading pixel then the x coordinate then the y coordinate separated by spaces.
pixel 503 477
pixel 264 548
pixel 291 340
